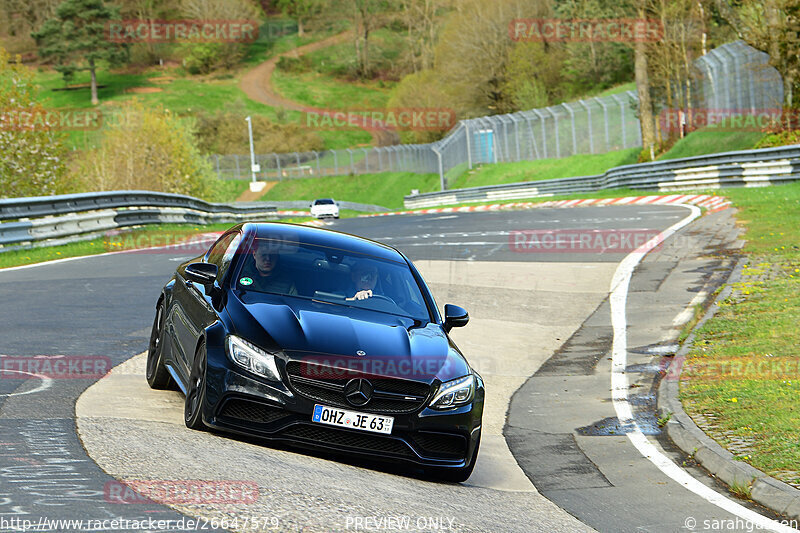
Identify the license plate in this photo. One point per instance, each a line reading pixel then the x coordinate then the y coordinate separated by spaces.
pixel 353 420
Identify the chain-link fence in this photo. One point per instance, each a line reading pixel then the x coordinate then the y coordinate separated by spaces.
pixel 738 77
pixel 734 76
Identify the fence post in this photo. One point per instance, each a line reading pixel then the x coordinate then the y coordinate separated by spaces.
pixel 622 119
pixel 555 121
pixel 516 135
pixel 352 164
pixel 236 158
pixel 589 117
pixel 335 163
pixel 219 174
pixel 441 171
pixel 534 148
pixel 317 155
pixel 572 119
pixel 605 120
pixel 544 133
pixel 278 161
pixel 366 160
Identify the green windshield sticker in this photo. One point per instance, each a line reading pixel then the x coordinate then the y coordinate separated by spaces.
pixel 246 281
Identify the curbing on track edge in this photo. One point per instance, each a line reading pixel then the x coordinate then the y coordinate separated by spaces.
pixel 681 429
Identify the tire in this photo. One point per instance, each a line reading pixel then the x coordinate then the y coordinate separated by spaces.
pixel 156 373
pixel 457 475
pixel 196 393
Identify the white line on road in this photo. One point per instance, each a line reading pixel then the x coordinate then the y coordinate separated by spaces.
pixel 44 385
pixel 619 388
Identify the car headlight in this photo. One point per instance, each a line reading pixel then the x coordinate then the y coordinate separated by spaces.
pixel 252 358
pixel 454 393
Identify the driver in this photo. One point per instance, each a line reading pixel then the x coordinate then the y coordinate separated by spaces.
pixel 264 273
pixel 364 277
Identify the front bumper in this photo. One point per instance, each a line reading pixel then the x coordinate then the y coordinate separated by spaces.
pixel 243 404
pixel 325 214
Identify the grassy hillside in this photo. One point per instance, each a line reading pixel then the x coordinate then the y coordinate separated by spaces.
pixel 577 165
pixel 386 189
pixel 709 141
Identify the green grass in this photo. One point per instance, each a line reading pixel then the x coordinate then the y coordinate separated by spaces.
pixel 540 169
pixel 386 189
pixel 709 141
pixel 743 366
pixel 227 191
pixel 617 89
pixel 321 91
pixel 186 94
pixel 158 235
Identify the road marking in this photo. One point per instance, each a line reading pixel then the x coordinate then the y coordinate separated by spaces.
pixel 44 385
pixel 619 388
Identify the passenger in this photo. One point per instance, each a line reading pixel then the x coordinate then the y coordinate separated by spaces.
pixel 263 273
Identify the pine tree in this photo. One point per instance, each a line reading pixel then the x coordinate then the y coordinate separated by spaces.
pixel 76 39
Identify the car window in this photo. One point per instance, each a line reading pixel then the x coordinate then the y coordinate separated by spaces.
pixel 219 248
pixel 334 276
pixel 227 257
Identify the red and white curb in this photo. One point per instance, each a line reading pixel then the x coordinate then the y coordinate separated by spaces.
pixel 710 202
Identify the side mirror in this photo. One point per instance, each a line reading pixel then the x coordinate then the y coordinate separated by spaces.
pixel 454 317
pixel 203 273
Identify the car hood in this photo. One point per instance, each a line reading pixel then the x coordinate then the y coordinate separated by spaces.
pixel 332 335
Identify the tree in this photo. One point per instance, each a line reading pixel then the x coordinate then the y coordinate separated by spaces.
pixel 367 16
pixel 76 39
pixel 420 17
pixel 301 10
pixel 771 26
pixel 148 148
pixel 201 58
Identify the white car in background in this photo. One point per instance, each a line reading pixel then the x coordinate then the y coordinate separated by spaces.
pixel 324 207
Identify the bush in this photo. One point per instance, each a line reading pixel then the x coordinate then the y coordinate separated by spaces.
pixel 296 65
pixel 202 58
pixel 225 132
pixel 781 138
pixel 149 149
pixel 32 159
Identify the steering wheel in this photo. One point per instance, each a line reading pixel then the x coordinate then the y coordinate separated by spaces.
pixel 382 297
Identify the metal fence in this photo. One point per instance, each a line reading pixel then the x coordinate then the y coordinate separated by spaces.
pixel 733 76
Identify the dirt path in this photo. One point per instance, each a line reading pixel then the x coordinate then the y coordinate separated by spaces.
pixel 250 196
pixel 257 84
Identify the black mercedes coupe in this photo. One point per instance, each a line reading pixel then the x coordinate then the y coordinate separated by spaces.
pixel 319 339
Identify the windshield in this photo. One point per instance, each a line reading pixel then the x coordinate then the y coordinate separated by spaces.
pixel 323 202
pixel 332 276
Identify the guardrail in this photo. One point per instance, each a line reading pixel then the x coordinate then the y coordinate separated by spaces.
pixel 747 168
pixel 51 220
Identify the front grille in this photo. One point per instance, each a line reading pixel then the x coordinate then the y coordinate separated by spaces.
pixel 390 396
pixel 251 411
pixel 441 445
pixel 348 439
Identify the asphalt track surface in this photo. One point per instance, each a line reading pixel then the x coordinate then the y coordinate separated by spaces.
pixel 103 306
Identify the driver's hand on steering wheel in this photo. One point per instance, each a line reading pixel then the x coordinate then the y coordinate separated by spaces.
pixel 361 295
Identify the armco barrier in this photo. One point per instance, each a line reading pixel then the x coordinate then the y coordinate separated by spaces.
pixel 748 168
pixel 47 220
